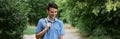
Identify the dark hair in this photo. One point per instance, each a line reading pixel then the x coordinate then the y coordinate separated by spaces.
pixel 52 5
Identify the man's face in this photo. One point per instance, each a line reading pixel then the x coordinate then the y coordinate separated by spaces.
pixel 52 12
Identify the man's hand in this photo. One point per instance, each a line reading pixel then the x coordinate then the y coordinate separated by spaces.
pixel 48 25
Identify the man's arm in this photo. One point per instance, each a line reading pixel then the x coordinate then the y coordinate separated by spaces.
pixel 40 34
pixel 62 31
pixel 61 37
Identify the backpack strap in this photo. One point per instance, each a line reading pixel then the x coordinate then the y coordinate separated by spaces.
pixel 46 21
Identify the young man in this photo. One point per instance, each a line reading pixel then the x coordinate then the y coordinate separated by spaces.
pixel 54 28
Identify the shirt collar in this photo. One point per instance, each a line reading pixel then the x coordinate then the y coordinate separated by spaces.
pixel 48 18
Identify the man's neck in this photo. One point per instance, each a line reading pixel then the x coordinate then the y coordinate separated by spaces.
pixel 52 19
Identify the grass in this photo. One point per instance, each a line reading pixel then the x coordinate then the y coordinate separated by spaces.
pixel 29 30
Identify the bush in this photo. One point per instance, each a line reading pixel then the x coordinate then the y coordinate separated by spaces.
pixel 13 18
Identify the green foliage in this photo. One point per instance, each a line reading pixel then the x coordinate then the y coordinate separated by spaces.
pixel 38 10
pixel 96 19
pixel 13 18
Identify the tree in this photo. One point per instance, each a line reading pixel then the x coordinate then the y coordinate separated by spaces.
pixel 38 10
pixel 95 19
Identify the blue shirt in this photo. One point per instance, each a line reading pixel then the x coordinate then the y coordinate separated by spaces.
pixel 54 31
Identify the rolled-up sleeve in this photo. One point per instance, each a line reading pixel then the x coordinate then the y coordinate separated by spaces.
pixel 39 26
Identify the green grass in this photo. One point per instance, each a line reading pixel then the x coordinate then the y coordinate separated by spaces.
pixel 29 30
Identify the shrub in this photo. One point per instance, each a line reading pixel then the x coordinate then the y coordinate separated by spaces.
pixel 13 18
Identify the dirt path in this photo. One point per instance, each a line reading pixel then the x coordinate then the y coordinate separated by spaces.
pixel 70 33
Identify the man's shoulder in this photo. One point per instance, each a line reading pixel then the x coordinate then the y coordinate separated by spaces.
pixel 41 20
pixel 59 21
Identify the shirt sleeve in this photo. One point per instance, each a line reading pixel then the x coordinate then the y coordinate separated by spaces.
pixel 62 31
pixel 39 26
